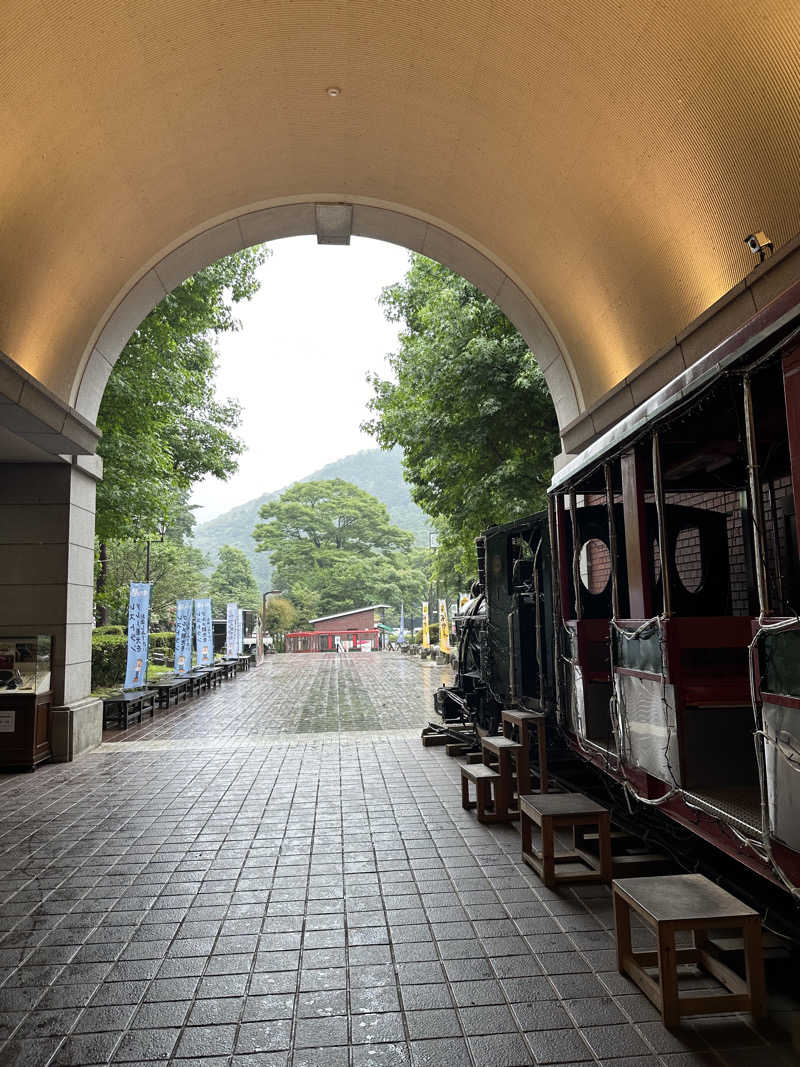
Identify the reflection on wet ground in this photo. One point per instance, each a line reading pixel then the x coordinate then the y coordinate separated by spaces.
pixel 304 693
pixel 280 875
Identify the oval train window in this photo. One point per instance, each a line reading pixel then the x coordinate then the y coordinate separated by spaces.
pixel 689 559
pixel 595 565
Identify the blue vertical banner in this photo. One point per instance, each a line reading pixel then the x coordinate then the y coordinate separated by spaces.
pixel 231 631
pixel 240 633
pixel 401 637
pixel 204 632
pixel 183 636
pixel 138 635
pixel 259 641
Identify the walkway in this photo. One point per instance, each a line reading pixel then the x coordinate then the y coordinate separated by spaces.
pixel 220 889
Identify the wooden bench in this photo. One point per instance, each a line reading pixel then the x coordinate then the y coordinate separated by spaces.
pixel 169 687
pixel 491 801
pixel 524 722
pixel 667 904
pixel 229 667
pixel 123 707
pixel 558 811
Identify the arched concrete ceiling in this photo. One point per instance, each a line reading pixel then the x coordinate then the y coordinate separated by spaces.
pixel 607 158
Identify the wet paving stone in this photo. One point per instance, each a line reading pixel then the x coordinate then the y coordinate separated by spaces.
pixel 279 875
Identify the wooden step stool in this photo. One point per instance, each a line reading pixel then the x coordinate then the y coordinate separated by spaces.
pixel 675 902
pixel 525 722
pixel 558 811
pixel 491 798
pixel 504 750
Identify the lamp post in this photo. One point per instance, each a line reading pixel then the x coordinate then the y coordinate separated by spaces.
pixel 433 544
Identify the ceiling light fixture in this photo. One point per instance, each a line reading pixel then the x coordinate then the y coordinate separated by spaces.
pixel 334 91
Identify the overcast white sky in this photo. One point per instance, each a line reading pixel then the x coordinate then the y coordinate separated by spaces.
pixel 299 362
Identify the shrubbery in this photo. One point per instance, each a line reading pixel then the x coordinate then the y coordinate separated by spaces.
pixel 110 652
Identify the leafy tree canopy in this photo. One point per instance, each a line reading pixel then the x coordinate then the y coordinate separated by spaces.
pixel 333 547
pixel 467 405
pixel 162 426
pixel 176 570
pixel 280 615
pixel 233 581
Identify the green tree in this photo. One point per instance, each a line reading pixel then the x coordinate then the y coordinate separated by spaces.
pixel 280 615
pixel 333 547
pixel 467 405
pixel 162 426
pixel 176 571
pixel 233 581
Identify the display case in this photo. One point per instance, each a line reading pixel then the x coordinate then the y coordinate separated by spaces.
pixel 25 700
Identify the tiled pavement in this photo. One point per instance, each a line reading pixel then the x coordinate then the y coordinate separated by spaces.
pixel 218 890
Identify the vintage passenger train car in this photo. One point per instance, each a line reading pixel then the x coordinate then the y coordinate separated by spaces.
pixel 653 609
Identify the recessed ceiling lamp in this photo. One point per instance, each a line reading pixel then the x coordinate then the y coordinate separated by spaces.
pixel 334 91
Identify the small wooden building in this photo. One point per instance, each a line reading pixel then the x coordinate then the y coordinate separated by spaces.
pixel 358 629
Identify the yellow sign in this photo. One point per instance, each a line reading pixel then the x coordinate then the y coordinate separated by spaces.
pixel 463 600
pixel 426 629
pixel 444 627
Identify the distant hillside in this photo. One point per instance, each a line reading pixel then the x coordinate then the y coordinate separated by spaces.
pixel 379 473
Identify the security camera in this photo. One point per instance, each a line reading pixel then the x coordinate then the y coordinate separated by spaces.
pixel 758 243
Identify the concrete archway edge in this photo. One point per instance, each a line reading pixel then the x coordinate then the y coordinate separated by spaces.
pixel 260 224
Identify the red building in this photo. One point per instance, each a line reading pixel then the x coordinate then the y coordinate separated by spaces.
pixel 358 629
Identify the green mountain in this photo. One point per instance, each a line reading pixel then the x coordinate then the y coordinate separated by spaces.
pixel 379 473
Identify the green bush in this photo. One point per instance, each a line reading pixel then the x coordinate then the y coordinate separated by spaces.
pixel 110 654
pixel 164 641
pixel 104 630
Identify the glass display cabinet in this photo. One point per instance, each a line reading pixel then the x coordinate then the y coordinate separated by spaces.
pixel 25 700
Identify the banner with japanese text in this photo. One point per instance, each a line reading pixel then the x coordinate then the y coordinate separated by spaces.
pixel 401 637
pixel 444 627
pixel 204 632
pixel 232 631
pixel 138 635
pixel 259 641
pixel 463 600
pixel 183 636
pixel 426 628
pixel 240 632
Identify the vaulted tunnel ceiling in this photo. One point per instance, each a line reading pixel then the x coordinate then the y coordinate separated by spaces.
pixel 607 157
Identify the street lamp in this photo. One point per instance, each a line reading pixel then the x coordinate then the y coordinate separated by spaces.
pixel 269 592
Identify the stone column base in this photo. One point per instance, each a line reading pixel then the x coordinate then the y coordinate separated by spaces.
pixel 75 728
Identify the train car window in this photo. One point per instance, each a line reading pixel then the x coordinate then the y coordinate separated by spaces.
pixel 595 565
pixel 689 559
pixel 520 569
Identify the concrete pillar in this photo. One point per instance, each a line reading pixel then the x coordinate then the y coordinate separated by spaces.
pixel 47 582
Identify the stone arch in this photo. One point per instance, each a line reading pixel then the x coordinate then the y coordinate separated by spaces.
pixel 306 217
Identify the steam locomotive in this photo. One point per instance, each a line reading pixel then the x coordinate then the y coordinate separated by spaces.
pixel 652 610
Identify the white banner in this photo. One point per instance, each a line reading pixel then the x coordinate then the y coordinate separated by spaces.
pixel 232 631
